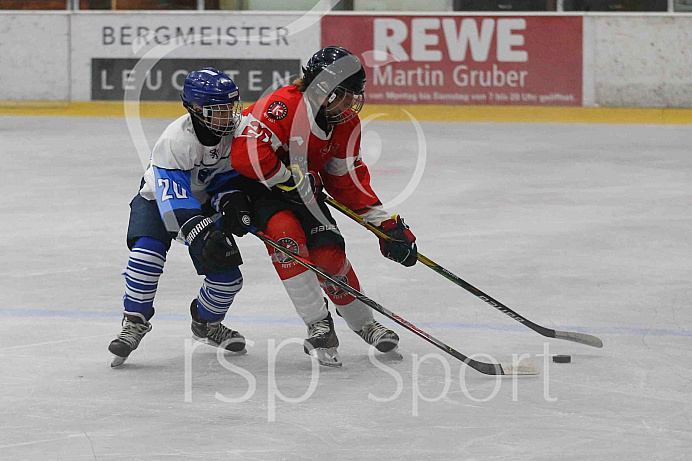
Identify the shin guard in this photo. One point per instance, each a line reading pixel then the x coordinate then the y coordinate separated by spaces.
pixel 144 268
pixel 301 285
pixel 332 259
pixel 285 229
pixel 217 293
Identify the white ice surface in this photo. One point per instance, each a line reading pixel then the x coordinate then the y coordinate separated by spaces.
pixel 577 227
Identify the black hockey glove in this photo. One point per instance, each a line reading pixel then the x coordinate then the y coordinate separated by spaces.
pixel 301 188
pixel 235 209
pixel 210 247
pixel 402 247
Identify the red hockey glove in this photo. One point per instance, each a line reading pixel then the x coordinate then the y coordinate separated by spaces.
pixel 402 247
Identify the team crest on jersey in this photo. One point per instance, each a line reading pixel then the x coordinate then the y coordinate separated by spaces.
pixel 277 110
pixel 288 243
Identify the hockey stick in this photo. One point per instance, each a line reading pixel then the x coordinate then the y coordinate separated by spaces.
pixel 522 368
pixel 581 338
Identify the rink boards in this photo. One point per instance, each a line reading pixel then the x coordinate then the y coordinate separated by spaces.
pixel 446 61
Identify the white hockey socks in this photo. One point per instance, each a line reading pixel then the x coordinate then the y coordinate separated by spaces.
pixel 356 314
pixel 306 294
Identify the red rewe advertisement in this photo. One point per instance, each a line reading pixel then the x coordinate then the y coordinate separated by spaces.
pixel 474 60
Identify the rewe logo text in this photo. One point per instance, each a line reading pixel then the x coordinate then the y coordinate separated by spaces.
pixel 459 36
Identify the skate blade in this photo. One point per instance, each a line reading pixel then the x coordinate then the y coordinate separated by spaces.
pixel 213 344
pixel 117 361
pixel 327 357
pixel 393 354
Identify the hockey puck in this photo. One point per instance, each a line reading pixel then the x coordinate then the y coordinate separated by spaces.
pixel 562 359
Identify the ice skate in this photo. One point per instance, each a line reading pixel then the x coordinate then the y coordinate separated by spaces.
pixel 382 338
pixel 216 334
pixel 129 338
pixel 322 342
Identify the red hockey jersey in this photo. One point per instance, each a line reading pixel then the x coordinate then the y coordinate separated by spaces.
pixel 283 122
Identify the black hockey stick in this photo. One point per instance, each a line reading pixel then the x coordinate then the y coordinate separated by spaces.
pixel 522 368
pixel 581 338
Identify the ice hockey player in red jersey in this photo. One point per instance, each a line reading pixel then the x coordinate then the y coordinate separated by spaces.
pixel 290 145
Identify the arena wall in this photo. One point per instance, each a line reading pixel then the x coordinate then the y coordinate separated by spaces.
pixel 63 59
pixel 35 56
pixel 642 60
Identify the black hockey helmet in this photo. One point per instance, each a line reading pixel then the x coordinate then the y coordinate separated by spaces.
pixel 353 79
pixel 337 75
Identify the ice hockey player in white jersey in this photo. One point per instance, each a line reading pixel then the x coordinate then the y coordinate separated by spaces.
pixel 189 164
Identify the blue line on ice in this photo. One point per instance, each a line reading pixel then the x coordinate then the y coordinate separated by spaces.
pixel 630 331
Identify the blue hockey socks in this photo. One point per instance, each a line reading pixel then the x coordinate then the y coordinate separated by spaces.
pixel 144 268
pixel 217 293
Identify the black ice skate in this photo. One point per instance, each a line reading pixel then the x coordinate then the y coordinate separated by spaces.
pixel 383 339
pixel 134 329
pixel 215 334
pixel 322 342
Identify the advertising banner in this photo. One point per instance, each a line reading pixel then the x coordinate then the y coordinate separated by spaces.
pixel 469 60
pixel 164 81
pixel 257 51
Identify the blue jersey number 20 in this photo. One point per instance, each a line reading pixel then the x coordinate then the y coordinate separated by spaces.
pixel 180 192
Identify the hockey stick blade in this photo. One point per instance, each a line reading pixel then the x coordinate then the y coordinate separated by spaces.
pixel 523 368
pixel 581 338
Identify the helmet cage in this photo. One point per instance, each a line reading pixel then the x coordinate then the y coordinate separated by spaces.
pixel 337 98
pixel 220 119
pixel 212 97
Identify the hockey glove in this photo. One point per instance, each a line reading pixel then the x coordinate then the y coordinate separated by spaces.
pixel 210 246
pixel 402 247
pixel 235 210
pixel 301 188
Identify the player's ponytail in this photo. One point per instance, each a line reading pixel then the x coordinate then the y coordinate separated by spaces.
pixel 300 83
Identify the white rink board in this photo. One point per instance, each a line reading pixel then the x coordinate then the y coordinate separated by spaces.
pixel 629 60
pixel 34 59
pixel 643 61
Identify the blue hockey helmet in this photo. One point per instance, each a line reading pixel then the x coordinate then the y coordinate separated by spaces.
pixel 213 97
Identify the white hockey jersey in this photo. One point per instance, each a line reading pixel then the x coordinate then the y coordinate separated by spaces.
pixel 178 149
